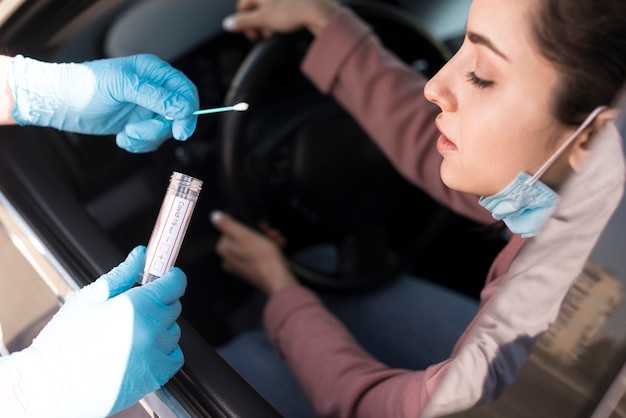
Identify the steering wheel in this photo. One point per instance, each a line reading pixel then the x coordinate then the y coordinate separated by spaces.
pixel 298 161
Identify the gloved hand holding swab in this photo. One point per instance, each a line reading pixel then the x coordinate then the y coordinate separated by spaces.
pixel 239 107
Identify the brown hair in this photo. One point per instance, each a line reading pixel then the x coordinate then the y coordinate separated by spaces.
pixel 586 41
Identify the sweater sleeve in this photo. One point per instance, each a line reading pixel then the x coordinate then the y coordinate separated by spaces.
pixel 338 376
pixel 386 97
pixel 343 380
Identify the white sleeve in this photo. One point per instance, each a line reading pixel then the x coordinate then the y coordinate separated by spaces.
pixel 10 406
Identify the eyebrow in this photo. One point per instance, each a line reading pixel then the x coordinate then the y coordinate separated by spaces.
pixel 481 40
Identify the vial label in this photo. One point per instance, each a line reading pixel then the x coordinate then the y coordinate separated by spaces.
pixel 168 234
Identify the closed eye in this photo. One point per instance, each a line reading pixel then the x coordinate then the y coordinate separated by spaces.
pixel 477 81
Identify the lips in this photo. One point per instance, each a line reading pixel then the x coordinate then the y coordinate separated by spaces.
pixel 445 145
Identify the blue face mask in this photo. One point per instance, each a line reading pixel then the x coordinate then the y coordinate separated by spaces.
pixel 527 203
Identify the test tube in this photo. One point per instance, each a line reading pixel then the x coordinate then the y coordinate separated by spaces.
pixel 171 225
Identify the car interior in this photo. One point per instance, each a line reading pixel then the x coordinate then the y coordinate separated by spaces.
pixel 295 160
pixel 98 201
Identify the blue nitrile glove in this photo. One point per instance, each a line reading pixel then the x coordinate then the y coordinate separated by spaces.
pixel 128 96
pixel 107 347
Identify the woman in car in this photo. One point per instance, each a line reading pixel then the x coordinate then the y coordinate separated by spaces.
pixel 508 119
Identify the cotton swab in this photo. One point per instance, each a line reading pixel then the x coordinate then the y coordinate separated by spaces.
pixel 239 107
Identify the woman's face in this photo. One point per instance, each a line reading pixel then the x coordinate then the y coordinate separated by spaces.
pixel 495 96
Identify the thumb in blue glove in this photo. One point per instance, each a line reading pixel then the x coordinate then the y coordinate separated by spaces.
pixel 141 99
pixel 107 347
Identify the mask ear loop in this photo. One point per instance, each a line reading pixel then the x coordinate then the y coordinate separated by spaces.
pixel 559 151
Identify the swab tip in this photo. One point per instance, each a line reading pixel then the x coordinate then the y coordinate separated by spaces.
pixel 240 107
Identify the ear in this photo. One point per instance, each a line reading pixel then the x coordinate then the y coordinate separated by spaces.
pixel 582 145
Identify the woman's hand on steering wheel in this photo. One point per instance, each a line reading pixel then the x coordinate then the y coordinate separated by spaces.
pixel 251 255
pixel 265 17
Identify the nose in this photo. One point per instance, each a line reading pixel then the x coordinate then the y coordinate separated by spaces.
pixel 439 89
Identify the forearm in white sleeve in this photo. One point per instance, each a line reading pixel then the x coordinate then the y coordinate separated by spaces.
pixel 7 101
pixel 10 406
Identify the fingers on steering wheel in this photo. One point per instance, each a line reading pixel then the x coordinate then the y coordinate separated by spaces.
pixel 272 233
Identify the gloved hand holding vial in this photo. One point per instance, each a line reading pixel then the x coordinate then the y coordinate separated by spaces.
pixel 171 225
